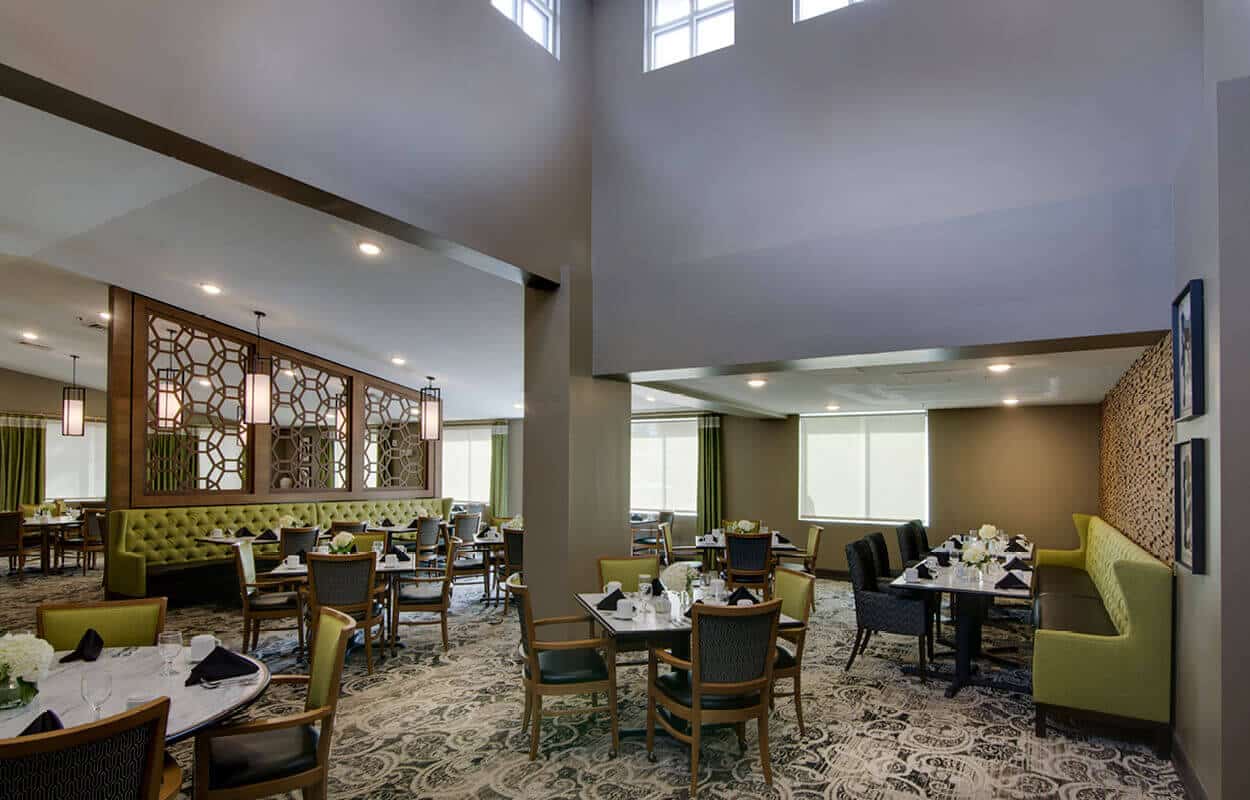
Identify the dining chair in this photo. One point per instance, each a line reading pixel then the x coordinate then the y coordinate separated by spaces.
pixel 15 542
pixel 120 623
pixel 364 541
pixel 580 666
pixel 472 562
pixel 808 556
pixel 880 558
pixel 878 611
pixel 749 561
pixel 429 537
pixel 348 526
pixel 293 541
pixel 727 680
pixel 513 556
pixel 922 536
pixel 626 570
pixel 87 541
pixel 427 592
pixel 265 599
pixel 908 544
pixel 119 756
pixel 348 583
pixel 264 757
pixel 794 589
pixel 670 557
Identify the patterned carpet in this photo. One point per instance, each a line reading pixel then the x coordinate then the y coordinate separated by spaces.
pixel 429 724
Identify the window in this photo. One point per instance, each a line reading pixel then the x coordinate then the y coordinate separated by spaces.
pixel 466 464
pixel 806 9
pixel 681 29
pixel 73 465
pixel 664 465
pixel 540 19
pixel 872 467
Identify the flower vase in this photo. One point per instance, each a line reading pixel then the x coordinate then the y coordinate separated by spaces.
pixel 15 692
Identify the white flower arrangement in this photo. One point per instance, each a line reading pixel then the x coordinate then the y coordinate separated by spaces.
pixel 976 555
pixel 24 656
pixel 675 576
pixel 517 523
pixel 746 525
pixel 342 542
pixel 987 532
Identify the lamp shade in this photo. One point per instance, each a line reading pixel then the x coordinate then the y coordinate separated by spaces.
pixel 168 400
pixel 73 404
pixel 431 413
pixel 256 394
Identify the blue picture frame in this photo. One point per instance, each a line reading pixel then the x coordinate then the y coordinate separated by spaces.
pixel 1189 369
pixel 1190 498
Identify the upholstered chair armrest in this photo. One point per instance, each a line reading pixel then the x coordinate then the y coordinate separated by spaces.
pixel 1067 558
pixel 660 654
pixel 569 620
pixel 259 726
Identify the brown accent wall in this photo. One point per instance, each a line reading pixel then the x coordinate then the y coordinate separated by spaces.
pixel 1135 487
pixel 22 393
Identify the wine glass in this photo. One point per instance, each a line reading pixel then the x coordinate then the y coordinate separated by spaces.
pixel 96 687
pixel 169 645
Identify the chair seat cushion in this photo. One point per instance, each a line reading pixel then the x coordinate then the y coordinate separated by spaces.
pixel 676 687
pixel 421 593
pixel 258 757
pixel 570 666
pixel 1066 612
pixel 1049 578
pixel 271 600
pixel 785 659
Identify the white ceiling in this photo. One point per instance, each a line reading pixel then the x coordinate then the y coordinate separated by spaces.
pixel 106 212
pixel 1048 379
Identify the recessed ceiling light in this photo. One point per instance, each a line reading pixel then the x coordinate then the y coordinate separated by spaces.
pixel 30 336
pixel 398 361
pixel 204 382
pixel 999 367
pixel 210 288
pixel 106 316
pixel 650 398
pixel 369 249
pixel 832 407
pixel 1011 401
pixel 756 383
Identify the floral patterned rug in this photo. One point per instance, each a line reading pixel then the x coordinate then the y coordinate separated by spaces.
pixel 448 725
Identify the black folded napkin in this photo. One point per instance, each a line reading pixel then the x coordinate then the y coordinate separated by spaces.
pixel 88 649
pixel 416 523
pixel 943 557
pixel 782 540
pixel 690 611
pixel 1015 547
pixel 1017 564
pixel 956 544
pixel 220 665
pixel 400 553
pixel 609 603
pixel 923 572
pixel 243 533
pixel 46 722
pixel 740 594
pixel 1010 581
pixel 386 522
pixel 657 588
pixel 267 536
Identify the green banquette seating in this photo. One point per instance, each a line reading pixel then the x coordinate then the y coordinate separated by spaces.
pixel 145 542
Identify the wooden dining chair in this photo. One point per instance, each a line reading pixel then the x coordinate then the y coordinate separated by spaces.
pixel 348 583
pixel 513 557
pixel 794 589
pixel 429 537
pixel 581 666
pixel 120 756
pixel 265 599
pixel 15 542
pixel 427 592
pixel 86 542
pixel 626 570
pixel 808 556
pixel 749 561
pixel 728 679
pixel 293 541
pixel 364 541
pixel 266 757
pixel 471 563
pixel 670 556
pixel 120 623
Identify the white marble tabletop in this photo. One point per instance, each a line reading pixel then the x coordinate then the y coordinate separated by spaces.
pixel 1027 555
pixel 51 522
pixel 136 671
pixel 650 623
pixel 285 571
pixel 945 580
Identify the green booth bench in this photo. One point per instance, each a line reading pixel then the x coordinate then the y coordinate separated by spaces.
pixel 149 542
pixel 1103 642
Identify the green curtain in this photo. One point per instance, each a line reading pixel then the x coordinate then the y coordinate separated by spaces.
pixel 499 470
pixel 21 461
pixel 710 475
pixel 172 465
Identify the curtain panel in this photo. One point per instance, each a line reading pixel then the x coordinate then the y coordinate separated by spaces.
pixel 21 461
pixel 499 470
pixel 710 474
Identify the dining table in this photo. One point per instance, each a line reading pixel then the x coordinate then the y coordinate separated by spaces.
pixel 710 545
pixel 47 528
pixel 135 677
pixel 490 544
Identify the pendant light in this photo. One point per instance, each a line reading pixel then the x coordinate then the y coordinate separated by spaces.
pixel 169 393
pixel 256 384
pixel 73 404
pixel 431 411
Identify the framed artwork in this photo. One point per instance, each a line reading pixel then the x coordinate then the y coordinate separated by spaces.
pixel 1188 353
pixel 1191 505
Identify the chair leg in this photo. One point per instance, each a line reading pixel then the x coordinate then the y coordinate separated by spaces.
pixel 798 702
pixel 255 634
pixel 369 649
pixel 741 730
pixel 299 629
pixel 859 633
pixel 315 792
pixel 538 723
pixel 924 677
pixel 612 714
pixel 651 672
pixel 247 631
pixel 529 705
pixel 694 755
pixel 1039 722
pixel 443 622
pixel 764 760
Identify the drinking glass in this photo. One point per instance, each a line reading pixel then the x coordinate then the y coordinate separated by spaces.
pixel 169 645
pixel 644 592
pixel 377 549
pixel 96 687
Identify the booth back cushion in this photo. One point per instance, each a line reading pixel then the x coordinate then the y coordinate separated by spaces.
pixel 168 535
pixel 400 512
pixel 1105 547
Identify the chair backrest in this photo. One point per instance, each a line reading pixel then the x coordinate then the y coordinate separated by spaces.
pixel 70 764
pixel 467 526
pixel 334 629
pixel 525 616
pixel 343 582
pixel 294 540
pixel 364 541
pixel 626 570
pixel 93 530
pixel 513 549
pixel 880 554
pixel 10 529
pixel 922 536
pixel 245 565
pixel 859 564
pixel 733 646
pixel 667 517
pixel 428 531
pixel 344 525
pixel 120 623
pixel 794 590
pixel 666 538
pixel 813 541
pixel 908 543
pixel 748 553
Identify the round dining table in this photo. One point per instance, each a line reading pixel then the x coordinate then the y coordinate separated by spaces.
pixel 136 677
pixel 45 528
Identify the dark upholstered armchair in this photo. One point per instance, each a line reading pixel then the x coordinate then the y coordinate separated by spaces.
pixel 878 611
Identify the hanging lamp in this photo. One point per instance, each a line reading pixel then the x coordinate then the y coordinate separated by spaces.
pixel 257 384
pixel 73 405
pixel 431 404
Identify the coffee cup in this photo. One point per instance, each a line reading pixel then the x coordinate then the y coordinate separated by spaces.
pixel 202 645
pixel 911 574
pixel 390 560
pixel 292 560
pixel 626 608
pixel 611 586
pixel 217 533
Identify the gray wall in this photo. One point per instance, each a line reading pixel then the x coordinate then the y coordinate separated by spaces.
pixel 439 112
pixel 985 171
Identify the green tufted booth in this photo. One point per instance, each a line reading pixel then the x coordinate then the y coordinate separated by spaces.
pixel 153 541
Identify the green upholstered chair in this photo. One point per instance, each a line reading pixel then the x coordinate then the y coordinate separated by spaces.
pixel 794 589
pixel 265 757
pixel 364 541
pixel 120 623
pixel 627 570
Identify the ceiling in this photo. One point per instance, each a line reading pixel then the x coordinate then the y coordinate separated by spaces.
pixel 80 210
pixel 1044 379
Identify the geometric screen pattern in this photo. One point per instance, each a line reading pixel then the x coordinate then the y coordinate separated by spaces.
pixel 309 427
pixel 394 449
pixel 195 436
